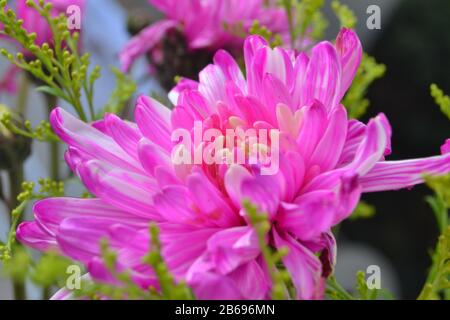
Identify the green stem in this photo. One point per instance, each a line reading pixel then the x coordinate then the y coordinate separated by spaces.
pixel 338 289
pixel 46 294
pixel 15 182
pixel 16 177
pixel 288 7
pixel 19 291
pixel 54 146
pixel 22 98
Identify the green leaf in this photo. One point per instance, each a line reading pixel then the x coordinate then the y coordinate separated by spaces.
pixel 50 270
pixel 51 91
pixel 123 91
pixel 363 211
pixel 346 16
pixel 355 100
pixel 18 266
pixel 442 100
pixel 438 279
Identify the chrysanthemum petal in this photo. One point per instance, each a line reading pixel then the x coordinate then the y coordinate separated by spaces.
pixel 329 149
pixel 126 135
pixel 144 41
pixel 312 214
pixel 33 235
pixel 51 212
pixel 394 175
pixel 303 266
pixel 89 140
pixel 124 189
pixel 323 76
pixel 349 50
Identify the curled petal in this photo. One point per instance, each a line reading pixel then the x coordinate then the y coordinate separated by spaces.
pixel 153 119
pixel 349 50
pixel 374 145
pixel 144 42
pixel 183 85
pixel 394 175
pixel 34 236
pixel 91 142
pixel 51 212
pixel 230 69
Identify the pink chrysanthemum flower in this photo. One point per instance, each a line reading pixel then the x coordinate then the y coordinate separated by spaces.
pixel 209 24
pixel 326 161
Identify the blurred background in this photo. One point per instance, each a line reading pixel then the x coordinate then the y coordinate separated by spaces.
pixel 414 44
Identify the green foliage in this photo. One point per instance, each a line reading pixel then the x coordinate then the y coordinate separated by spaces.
pixel 305 19
pixel 169 289
pixel 4 131
pixel 437 284
pixel 125 288
pixel 439 276
pixel 236 29
pixel 50 270
pixel 441 99
pixel 346 16
pixel 48 188
pixel 124 90
pixel 42 132
pixel 288 6
pixel 308 12
pixel 280 278
pixel 18 266
pixel 319 25
pixel 335 291
pixel 440 202
pixel 368 72
pixel 362 292
pixel 63 72
pixel 363 211
pixel 273 39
